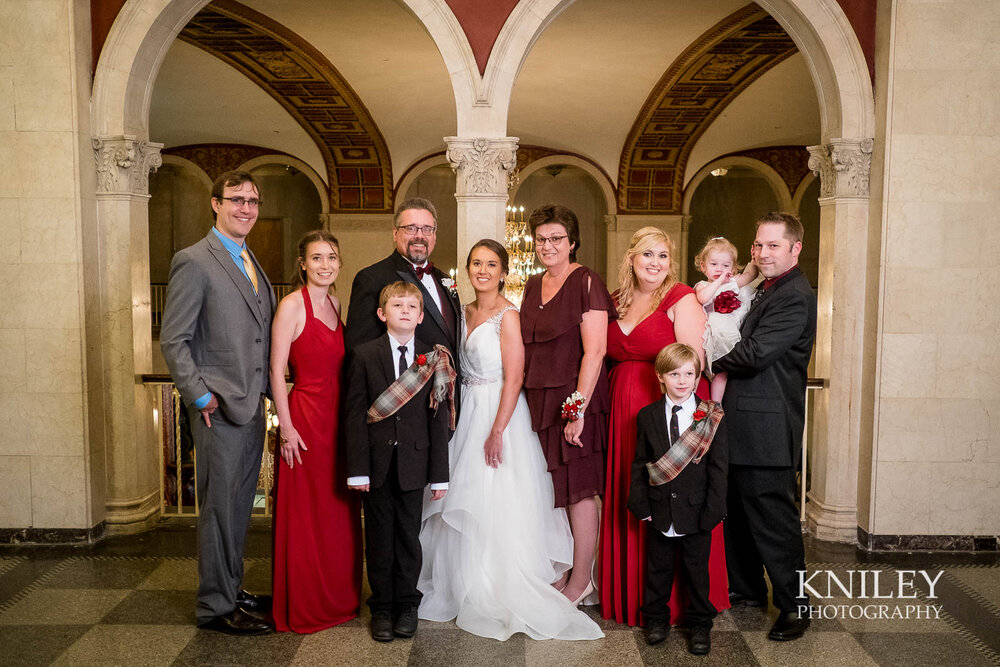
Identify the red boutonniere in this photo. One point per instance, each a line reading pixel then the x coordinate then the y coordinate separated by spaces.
pixel 726 302
pixel 421 359
pixel 700 414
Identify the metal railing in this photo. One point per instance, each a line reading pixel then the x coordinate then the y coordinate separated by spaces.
pixel 179 459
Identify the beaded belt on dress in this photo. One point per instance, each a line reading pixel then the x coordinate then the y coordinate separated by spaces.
pixel 475 381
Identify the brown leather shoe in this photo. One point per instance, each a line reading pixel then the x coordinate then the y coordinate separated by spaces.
pixel 237 622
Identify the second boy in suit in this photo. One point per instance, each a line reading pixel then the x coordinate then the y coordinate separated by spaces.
pixel 392 459
pixel 679 484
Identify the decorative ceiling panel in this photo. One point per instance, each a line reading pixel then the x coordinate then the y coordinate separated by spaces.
pixel 313 92
pixel 690 95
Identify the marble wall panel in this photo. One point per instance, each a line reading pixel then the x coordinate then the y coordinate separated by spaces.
pixel 915 429
pixel 49 230
pixel 41 424
pixel 907 308
pixel 6 96
pixel 43 97
pixel 15 491
pixel 908 365
pixel 921 101
pixel 10 231
pixel 12 361
pixel 917 231
pixel 932 168
pixel 54 360
pixel 48 296
pixel 947 35
pixel 10 178
pixel 41 34
pixel 902 500
pixel 968 366
pixel 46 164
pixel 968 504
pixel 59 492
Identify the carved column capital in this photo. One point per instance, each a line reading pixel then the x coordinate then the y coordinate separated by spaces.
pixel 124 164
pixel 482 165
pixel 843 166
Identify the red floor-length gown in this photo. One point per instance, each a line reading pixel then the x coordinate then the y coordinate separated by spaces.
pixel 317 520
pixel 623 536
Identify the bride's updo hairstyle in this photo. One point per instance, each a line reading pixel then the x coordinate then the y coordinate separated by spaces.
pixel 497 249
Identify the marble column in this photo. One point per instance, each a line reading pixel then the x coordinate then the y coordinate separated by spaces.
pixel 119 293
pixel 482 167
pixel 840 417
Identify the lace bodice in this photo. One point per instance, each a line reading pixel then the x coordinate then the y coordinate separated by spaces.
pixel 480 351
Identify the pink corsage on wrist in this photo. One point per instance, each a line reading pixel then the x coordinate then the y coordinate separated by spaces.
pixel 572 407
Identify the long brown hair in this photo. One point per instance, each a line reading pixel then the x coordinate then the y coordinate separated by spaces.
pixel 316 235
pixel 643 240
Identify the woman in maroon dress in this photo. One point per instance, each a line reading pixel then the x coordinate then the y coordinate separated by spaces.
pixel 654 310
pixel 564 323
pixel 317 522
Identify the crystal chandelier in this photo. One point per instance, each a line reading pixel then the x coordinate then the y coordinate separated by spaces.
pixel 521 251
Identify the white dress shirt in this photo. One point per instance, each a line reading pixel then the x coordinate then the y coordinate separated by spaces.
pixel 430 284
pixel 684 418
pixel 394 345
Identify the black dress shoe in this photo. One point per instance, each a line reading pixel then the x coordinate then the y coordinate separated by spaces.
pixel 237 622
pixel 656 632
pixel 737 599
pixel 701 641
pixel 788 626
pixel 260 604
pixel 382 626
pixel 406 624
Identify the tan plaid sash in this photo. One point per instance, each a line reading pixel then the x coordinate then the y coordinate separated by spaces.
pixel 439 367
pixel 691 446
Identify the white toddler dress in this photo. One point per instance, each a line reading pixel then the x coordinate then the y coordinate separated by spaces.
pixel 722 331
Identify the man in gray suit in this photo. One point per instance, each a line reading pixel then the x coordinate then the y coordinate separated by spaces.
pixel 216 339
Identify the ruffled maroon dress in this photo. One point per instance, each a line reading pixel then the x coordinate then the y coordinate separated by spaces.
pixel 623 537
pixel 553 350
pixel 317 520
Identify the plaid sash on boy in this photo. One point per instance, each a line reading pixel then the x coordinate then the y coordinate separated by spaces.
pixel 437 365
pixel 691 446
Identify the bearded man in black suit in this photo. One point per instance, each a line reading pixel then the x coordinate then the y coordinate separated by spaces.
pixel 765 409
pixel 414 233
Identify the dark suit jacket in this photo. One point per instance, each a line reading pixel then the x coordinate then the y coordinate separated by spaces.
pixel 418 434
pixel 216 333
pixel 693 501
pixel 765 399
pixel 363 323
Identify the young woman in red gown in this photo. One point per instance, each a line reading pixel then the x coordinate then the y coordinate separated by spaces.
pixel 654 310
pixel 317 521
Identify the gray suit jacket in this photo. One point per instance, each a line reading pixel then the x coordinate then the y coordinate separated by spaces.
pixel 216 333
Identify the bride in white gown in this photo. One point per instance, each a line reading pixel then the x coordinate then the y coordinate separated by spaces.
pixel 494 544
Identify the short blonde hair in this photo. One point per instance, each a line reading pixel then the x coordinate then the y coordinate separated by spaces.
pixel 674 356
pixel 399 290
pixel 718 244
pixel 641 241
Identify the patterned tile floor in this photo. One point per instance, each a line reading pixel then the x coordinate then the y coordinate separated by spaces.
pixel 130 601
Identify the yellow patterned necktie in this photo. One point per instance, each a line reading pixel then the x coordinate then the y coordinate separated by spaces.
pixel 248 265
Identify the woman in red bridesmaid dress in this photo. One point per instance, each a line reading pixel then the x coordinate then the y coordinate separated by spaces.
pixel 654 311
pixel 317 521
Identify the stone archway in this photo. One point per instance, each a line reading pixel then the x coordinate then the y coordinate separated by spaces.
pixel 482 155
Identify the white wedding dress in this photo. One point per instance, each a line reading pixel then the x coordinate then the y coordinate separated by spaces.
pixel 493 545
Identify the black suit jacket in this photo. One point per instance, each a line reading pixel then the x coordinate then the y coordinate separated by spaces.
pixel 765 399
pixel 417 434
pixel 693 501
pixel 363 323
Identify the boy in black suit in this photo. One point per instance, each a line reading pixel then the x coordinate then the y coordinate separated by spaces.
pixel 679 484
pixel 393 456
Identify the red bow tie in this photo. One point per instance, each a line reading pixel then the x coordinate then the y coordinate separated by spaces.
pixel 425 270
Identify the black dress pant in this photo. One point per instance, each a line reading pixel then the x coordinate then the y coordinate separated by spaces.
pixel 392 544
pixel 692 551
pixel 763 532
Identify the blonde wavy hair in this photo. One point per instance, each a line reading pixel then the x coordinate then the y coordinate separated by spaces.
pixel 643 240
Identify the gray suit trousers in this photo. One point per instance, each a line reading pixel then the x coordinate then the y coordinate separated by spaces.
pixel 228 457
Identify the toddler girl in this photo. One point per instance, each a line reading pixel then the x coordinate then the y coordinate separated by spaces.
pixel 726 300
